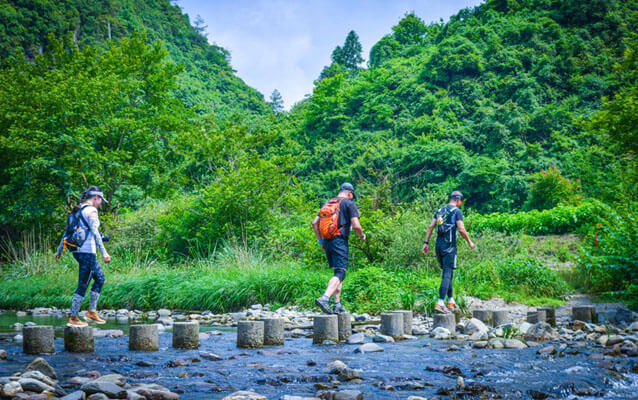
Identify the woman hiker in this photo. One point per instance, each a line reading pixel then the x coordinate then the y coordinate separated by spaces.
pixel 86 256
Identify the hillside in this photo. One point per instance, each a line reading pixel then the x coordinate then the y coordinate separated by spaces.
pixel 208 79
pixel 482 102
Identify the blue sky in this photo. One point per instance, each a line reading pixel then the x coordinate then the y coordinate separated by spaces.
pixel 284 44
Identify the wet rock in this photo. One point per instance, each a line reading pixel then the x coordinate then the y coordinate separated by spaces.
pixel 614 339
pixel 634 326
pixel 357 338
pixel 514 344
pixel 336 367
pixel 163 313
pixel 603 340
pixel 362 317
pixel 18 338
pixel 382 339
pixel 17 326
pixel 460 383
pixel 111 333
pixel 600 329
pixel 34 385
pixel 77 395
pixel 419 331
pixel 40 364
pixel 209 356
pixel 78 381
pixel 524 328
pixel 479 345
pixel 93 374
pixel 98 396
pixel 575 370
pixel 115 379
pixel 537 395
pixel 541 331
pixel 368 348
pixel 177 363
pixel 479 336
pixel 132 395
pixel 578 325
pixel 245 395
pixel 475 325
pixel 340 395
pixel 348 374
pixel 109 389
pixel 440 333
pixel 3 354
pixel 547 350
pixel 625 315
pixel 21 314
pixel 417 398
pixel 39 376
pixel 11 389
pixel 155 394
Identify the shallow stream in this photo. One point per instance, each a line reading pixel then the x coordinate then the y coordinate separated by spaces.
pixel 423 367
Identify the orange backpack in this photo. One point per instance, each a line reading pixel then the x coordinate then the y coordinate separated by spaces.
pixel 329 219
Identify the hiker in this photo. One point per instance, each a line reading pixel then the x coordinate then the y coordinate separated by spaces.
pixel 449 220
pixel 84 219
pixel 332 227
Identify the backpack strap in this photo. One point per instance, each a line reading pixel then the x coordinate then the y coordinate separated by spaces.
pixel 84 219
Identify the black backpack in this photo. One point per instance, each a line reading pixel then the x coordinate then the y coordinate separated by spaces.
pixel 75 234
pixel 446 222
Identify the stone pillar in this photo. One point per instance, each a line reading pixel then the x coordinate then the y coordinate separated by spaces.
pixel 584 313
pixel 273 331
pixel 484 316
pixel 326 327
pixel 447 321
pixel 392 325
pixel 458 315
pixel 78 339
pixel 186 335
pixel 537 316
pixel 143 337
pixel 500 317
pixel 407 321
pixel 38 339
pixel 344 321
pixel 550 315
pixel 250 334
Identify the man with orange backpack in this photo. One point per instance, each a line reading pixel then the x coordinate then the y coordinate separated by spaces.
pixel 332 227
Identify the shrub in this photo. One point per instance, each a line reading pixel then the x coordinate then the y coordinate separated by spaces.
pixel 549 188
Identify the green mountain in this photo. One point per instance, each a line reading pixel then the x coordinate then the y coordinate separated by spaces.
pixel 207 81
pixel 481 103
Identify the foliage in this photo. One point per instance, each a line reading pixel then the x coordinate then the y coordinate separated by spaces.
pixel 561 219
pixel 608 261
pixel 549 188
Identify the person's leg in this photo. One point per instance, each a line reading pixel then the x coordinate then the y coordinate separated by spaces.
pixel 324 300
pixel 450 291
pixel 337 292
pixel 341 266
pixel 98 282
pixel 84 277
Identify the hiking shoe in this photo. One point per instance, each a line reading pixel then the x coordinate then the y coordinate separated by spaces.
pixel 75 321
pixel 91 316
pixel 337 308
pixel 452 306
pixel 324 304
pixel 441 309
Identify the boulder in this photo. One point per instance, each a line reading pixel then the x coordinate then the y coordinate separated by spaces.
pixel 77 395
pixel 440 333
pixel 368 348
pixel 11 389
pixel 115 379
pixel 3 354
pixel 39 376
pixel 614 339
pixel 40 364
pixel 382 339
pixel 34 385
pixel 155 394
pixel 348 374
pixel 357 338
pixel 336 366
pixel 514 344
pixel 245 395
pixel 541 331
pixel 110 389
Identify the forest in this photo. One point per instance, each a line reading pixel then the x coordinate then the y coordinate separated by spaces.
pixel 529 107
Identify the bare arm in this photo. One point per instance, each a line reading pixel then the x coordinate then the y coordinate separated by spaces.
pixel 315 227
pixel 94 224
pixel 461 227
pixel 356 227
pixel 428 235
pixel 58 252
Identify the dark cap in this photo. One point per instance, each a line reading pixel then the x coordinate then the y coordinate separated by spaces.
pixel 348 186
pixel 456 195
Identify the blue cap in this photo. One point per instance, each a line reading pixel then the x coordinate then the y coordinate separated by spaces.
pixel 348 186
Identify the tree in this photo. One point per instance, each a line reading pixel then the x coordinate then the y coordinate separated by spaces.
pixel 410 30
pixel 350 54
pixel 276 102
pixel 200 25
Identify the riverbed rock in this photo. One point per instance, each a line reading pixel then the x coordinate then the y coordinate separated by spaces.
pixel 111 333
pixel 40 364
pixel 110 389
pixel 98 396
pixel 348 374
pixel 34 385
pixel 339 395
pixel 77 395
pixel 39 376
pixel 496 343
pixel 3 354
pixel 547 350
pixel 155 394
pixel 382 339
pixel 419 331
pixel 514 344
pixel 474 325
pixel 115 379
pixel 634 326
pixel 368 348
pixel 614 339
pixel 11 389
pixel 245 395
pixel 541 331
pixel 357 338
pixel 524 327
pixel 209 356
pixel 479 344
pixel 336 366
pixel 440 333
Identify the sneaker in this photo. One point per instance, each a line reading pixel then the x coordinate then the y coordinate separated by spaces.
pixel 452 306
pixel 91 316
pixel 337 308
pixel 441 309
pixel 324 305
pixel 75 321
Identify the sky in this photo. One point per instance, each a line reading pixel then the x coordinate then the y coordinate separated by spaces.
pixel 284 44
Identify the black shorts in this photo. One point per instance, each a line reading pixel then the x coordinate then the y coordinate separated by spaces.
pixel 337 252
pixel 447 259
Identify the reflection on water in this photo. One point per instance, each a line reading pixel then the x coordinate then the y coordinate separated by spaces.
pixel 290 369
